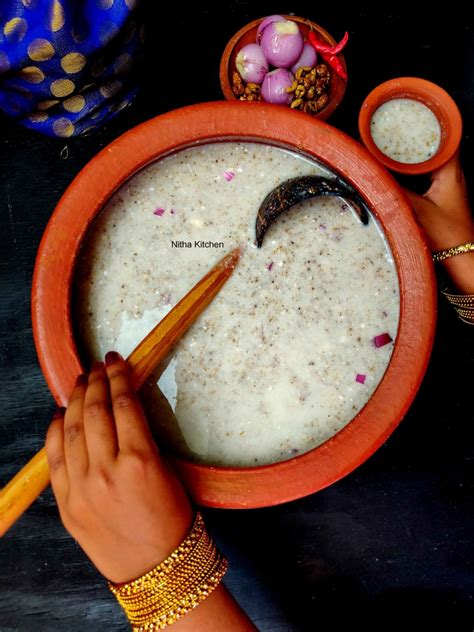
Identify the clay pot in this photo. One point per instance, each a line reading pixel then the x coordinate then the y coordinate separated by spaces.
pixel 248 34
pixel 431 95
pixel 209 122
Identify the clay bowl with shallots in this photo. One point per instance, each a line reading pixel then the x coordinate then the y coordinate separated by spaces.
pixel 248 34
pixel 430 95
pixel 53 320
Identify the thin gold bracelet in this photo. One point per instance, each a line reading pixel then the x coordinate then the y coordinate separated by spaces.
pixel 441 255
pixel 176 586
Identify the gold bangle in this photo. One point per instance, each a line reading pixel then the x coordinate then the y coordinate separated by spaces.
pixel 463 304
pixel 176 586
pixel 469 320
pixel 441 255
pixel 460 300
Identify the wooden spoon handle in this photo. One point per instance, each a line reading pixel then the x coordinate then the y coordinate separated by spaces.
pixel 23 489
pixel 30 481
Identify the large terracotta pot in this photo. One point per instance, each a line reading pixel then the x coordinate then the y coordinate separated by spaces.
pixel 208 122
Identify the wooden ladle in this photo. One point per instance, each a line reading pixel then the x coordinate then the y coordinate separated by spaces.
pixel 28 484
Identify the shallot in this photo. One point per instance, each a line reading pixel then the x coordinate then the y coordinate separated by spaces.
pixel 282 43
pixel 251 63
pixel 265 22
pixel 275 84
pixel 308 57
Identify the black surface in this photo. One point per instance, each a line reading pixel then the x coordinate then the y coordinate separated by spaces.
pixel 386 544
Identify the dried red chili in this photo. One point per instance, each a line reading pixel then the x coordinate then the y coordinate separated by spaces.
pixel 335 64
pixel 338 48
pixel 329 53
pixel 322 47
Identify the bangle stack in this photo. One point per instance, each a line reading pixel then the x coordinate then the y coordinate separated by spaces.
pixel 176 586
pixel 463 304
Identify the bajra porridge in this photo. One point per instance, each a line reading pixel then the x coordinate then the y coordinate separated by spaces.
pixel 294 344
pixel 406 131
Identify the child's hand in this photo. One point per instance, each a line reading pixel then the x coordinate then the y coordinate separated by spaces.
pixel 116 496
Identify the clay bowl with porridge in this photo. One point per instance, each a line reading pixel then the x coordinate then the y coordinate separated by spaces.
pixel 410 125
pixel 310 355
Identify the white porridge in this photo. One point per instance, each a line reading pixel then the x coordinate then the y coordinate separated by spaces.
pixel 284 356
pixel 406 130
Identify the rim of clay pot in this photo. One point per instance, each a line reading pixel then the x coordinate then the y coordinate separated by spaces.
pixel 431 95
pixel 210 122
pixel 247 35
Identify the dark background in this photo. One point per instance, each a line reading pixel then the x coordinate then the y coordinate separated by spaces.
pixel 389 543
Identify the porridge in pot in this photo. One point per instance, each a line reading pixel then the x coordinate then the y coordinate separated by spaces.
pixel 294 344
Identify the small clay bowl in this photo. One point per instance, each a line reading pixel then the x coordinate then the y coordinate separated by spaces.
pixel 431 95
pixel 82 202
pixel 248 34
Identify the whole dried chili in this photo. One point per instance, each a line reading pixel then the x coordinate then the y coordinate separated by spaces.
pixel 329 53
pixel 335 64
pixel 322 47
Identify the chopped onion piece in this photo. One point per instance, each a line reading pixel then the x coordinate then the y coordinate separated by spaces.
pixel 159 211
pixel 382 339
pixel 228 175
pixel 360 377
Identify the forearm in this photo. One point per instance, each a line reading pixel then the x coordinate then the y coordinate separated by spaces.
pixel 461 271
pixel 129 512
pixel 460 268
pixel 445 215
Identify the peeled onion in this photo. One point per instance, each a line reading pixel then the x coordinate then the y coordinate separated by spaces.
pixel 282 43
pixel 308 57
pixel 251 63
pixel 275 84
pixel 265 22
